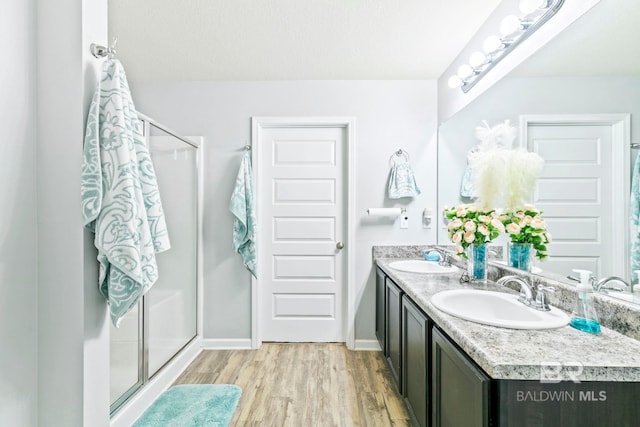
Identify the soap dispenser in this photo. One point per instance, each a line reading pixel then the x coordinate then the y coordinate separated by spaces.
pixel 584 317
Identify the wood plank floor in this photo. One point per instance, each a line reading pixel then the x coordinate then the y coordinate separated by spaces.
pixel 304 385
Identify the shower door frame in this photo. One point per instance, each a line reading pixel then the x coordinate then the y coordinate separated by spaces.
pixel 127 398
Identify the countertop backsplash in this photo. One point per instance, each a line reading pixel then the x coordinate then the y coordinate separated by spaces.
pixel 614 314
pixel 415 251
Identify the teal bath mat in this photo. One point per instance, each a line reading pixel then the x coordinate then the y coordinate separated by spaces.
pixel 192 405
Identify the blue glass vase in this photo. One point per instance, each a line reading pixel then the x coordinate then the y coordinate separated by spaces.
pixel 520 256
pixel 477 262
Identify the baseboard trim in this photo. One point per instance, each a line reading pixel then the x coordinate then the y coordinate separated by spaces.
pixel 133 409
pixel 226 344
pixel 245 344
pixel 367 345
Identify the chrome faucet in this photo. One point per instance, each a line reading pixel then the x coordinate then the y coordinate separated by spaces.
pixel 541 298
pixel 592 279
pixel 526 292
pixel 606 284
pixel 444 257
pixel 611 283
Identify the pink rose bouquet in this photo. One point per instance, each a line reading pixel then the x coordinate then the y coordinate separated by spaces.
pixel 526 225
pixel 470 226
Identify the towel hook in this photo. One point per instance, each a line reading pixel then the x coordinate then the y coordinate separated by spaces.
pixel 399 153
pixel 247 147
pixel 402 153
pixel 99 51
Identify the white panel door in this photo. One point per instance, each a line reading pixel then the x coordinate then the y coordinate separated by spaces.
pixel 575 191
pixel 301 215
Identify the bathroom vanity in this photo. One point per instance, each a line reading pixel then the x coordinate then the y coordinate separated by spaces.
pixel 453 372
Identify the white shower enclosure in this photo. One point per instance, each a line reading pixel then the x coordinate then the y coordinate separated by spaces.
pixel 165 321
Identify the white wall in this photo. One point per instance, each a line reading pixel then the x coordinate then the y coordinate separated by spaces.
pixel 72 333
pixel 389 115
pixel 42 308
pixel 512 97
pixel 18 289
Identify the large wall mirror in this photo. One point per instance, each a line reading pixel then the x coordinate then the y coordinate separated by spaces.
pixel 577 103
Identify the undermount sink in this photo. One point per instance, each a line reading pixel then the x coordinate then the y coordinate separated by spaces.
pixel 420 266
pixel 496 309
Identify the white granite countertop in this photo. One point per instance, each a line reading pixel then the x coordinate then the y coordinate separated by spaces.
pixel 524 354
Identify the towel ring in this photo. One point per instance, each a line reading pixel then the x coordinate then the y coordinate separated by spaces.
pixel 400 153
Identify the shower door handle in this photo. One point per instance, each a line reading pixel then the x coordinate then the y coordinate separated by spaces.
pixel 340 245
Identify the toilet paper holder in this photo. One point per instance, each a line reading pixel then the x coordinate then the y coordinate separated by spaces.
pixel 386 211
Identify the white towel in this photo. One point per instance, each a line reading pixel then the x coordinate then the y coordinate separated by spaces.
pixel 120 198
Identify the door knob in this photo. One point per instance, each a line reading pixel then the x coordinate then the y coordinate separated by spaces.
pixel 339 245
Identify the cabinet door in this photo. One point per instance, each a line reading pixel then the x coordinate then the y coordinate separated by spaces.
pixel 460 390
pixel 415 363
pixel 380 310
pixel 393 329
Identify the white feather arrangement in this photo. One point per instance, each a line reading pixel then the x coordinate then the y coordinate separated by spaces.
pixel 503 177
pixel 524 168
pixel 500 136
pixel 489 173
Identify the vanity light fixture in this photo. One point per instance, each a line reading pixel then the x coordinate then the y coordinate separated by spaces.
pixel 527 7
pixel 513 30
pixel 477 59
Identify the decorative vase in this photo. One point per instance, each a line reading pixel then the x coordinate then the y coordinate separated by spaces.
pixel 520 255
pixel 477 262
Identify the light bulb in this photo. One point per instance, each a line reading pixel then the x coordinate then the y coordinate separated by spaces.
pixel 477 59
pixel 455 81
pixel 530 6
pixel 465 71
pixel 509 25
pixel 491 44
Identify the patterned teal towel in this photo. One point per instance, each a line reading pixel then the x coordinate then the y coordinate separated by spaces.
pixel 243 209
pixel 120 198
pixel 466 186
pixel 634 216
pixel 402 183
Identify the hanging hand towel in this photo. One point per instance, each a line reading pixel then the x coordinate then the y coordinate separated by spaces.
pixel 242 208
pixel 466 186
pixel 120 198
pixel 402 183
pixel 634 217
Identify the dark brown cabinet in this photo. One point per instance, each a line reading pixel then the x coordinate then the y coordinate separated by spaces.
pixel 443 387
pixel 393 301
pixel 440 385
pixel 380 310
pixel 461 391
pixel 567 403
pixel 416 339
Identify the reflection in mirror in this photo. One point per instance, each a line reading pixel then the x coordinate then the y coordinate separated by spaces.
pixel 586 84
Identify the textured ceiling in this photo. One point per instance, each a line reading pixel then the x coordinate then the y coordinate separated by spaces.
pixel 292 39
pixel 603 42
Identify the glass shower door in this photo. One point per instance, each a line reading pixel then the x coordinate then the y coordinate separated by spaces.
pixel 125 357
pixel 165 321
pixel 171 302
